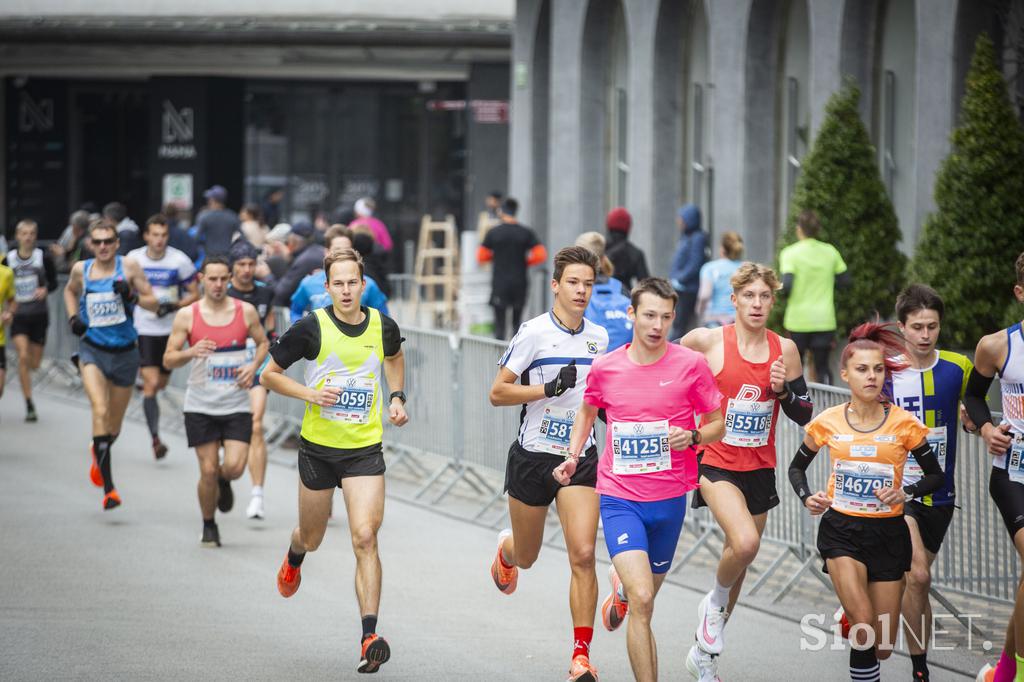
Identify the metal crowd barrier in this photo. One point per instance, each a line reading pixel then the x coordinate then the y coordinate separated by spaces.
pixel 448 378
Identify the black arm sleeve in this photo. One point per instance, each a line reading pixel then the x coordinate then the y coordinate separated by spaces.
pixel 843 280
pixel 974 398
pixel 798 471
pixel 392 336
pixel 933 475
pixel 797 404
pixel 51 272
pixel 301 341
pixel 787 282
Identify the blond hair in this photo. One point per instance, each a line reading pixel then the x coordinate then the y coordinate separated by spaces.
pixel 594 242
pixel 751 272
pixel 732 244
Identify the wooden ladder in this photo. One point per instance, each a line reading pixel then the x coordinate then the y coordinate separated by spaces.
pixel 436 273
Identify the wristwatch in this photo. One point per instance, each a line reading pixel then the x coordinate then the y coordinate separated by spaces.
pixel 694 437
pixel 397 394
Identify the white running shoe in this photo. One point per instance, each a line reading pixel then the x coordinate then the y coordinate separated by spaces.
pixel 702 665
pixel 710 626
pixel 986 674
pixel 255 510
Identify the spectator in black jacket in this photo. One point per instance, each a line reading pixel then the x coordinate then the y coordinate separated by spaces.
pixel 306 257
pixel 628 259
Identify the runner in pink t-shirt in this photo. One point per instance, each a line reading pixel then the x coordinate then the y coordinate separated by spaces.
pixel 651 392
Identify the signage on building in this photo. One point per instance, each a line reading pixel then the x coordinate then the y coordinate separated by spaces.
pixel 178 190
pixel 35 115
pixel 484 110
pixel 177 132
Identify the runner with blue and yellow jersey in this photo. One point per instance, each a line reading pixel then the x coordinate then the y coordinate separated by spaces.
pixel 931 389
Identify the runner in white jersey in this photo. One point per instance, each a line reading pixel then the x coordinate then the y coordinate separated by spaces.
pixel 550 357
pixel 1003 353
pixel 172 276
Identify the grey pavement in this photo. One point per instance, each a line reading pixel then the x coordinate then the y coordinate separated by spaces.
pixel 130 594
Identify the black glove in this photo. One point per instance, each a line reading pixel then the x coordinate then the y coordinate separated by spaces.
pixel 77 326
pixel 166 308
pixel 124 290
pixel 565 380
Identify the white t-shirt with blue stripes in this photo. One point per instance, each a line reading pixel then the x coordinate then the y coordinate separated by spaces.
pixel 538 351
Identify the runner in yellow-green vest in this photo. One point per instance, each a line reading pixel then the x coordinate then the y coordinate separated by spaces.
pixel 811 271
pixel 346 346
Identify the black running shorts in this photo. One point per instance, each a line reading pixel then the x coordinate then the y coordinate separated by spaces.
pixel 528 474
pixel 757 486
pixel 1009 499
pixel 3 358
pixel 883 545
pixel 206 428
pixel 32 326
pixel 932 522
pixel 151 352
pixel 320 472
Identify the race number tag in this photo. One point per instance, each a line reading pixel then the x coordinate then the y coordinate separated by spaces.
pixel 25 288
pixel 748 423
pixel 912 472
pixel 165 294
pixel 555 427
pixel 640 447
pixel 1015 460
pixel 105 308
pixel 354 402
pixel 222 368
pixel 856 483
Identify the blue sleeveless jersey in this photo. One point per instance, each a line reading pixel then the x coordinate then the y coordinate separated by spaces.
pixel 933 395
pixel 110 325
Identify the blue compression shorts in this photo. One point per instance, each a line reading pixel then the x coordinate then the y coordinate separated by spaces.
pixel 652 527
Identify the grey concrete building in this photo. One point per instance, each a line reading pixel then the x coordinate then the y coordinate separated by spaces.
pixel 653 103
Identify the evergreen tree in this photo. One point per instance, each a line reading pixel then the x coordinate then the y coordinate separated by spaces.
pixel 968 246
pixel 840 181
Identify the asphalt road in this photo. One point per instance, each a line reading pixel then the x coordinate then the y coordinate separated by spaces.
pixel 130 594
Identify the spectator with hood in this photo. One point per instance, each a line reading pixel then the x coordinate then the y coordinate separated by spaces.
pixel 690 255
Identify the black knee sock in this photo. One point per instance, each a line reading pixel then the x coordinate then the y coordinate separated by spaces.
pixel 101 446
pixel 152 410
pixel 295 560
pixel 920 663
pixel 864 666
pixel 369 625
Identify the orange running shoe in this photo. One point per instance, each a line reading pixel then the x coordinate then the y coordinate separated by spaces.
pixel 94 469
pixel 111 500
pixel 986 674
pixel 615 606
pixel 505 578
pixel 288 579
pixel 581 670
pixel 844 622
pixel 375 653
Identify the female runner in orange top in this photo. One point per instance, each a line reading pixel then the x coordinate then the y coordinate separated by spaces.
pixel 862 536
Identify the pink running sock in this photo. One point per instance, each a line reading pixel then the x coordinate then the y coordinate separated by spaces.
pixel 1006 669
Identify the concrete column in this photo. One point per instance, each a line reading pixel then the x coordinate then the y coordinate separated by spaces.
pixel 521 125
pixel 727 49
pixel 643 137
pixel 826 24
pixel 565 151
pixel 936 28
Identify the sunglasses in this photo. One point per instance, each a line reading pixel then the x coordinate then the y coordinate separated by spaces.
pixel 104 242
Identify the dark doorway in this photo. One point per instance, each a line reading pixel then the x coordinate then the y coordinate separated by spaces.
pixel 110 145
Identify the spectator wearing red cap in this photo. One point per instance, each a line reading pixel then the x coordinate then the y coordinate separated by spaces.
pixel 628 259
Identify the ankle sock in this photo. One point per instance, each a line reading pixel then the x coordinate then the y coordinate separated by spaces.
pixel 295 560
pixel 920 663
pixel 864 666
pixel 719 596
pixel 369 625
pixel 581 641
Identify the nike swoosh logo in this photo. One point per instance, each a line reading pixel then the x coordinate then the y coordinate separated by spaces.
pixel 709 640
pixel 665 383
pixel 659 564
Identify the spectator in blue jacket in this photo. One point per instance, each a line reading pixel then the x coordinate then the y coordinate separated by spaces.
pixel 312 293
pixel 690 255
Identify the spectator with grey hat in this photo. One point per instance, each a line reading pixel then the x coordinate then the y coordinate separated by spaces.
pixel 306 257
pixel 217 225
